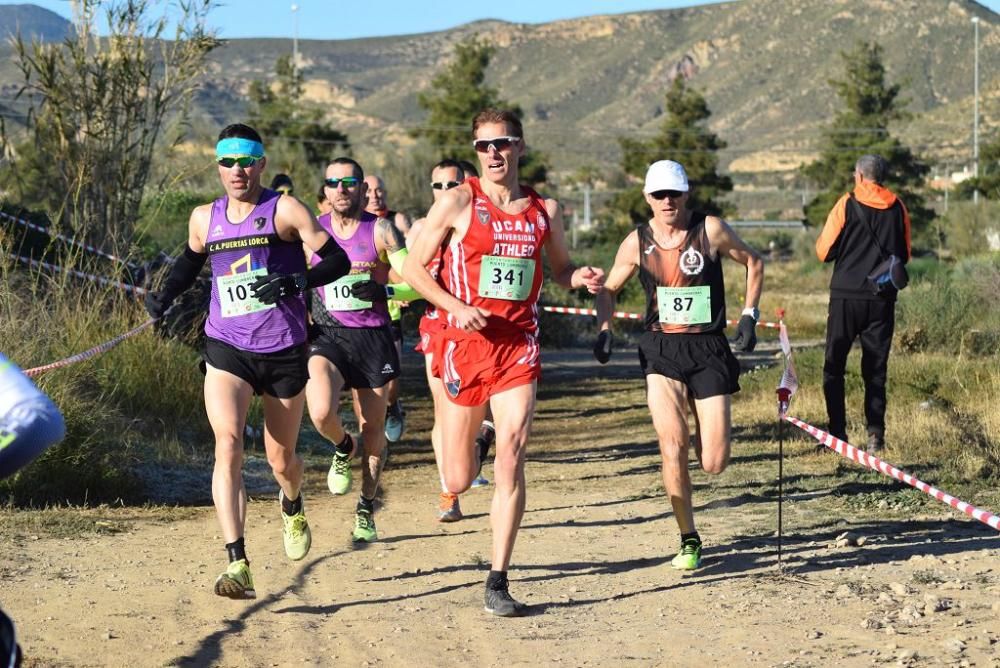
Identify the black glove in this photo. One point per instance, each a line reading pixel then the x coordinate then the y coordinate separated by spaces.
pixel 746 334
pixel 602 347
pixel 370 291
pixel 156 304
pixel 269 289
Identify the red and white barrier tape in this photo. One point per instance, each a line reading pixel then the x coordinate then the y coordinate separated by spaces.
pixel 79 274
pixel 589 311
pixel 569 310
pixel 69 240
pixel 847 450
pixel 87 354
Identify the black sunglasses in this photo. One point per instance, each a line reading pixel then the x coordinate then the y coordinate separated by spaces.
pixel 348 181
pixel 445 185
pixel 663 194
pixel 243 161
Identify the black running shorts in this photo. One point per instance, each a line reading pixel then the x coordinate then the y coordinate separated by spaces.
pixel 703 362
pixel 282 374
pixel 365 356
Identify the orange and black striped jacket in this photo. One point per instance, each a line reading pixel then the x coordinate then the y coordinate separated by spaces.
pixel 847 242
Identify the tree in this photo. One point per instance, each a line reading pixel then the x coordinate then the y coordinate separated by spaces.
pixel 683 137
pixel 988 181
pixel 862 127
pixel 459 92
pixel 280 115
pixel 97 108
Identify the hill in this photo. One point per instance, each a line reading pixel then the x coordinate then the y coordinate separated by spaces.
pixel 33 21
pixel 763 66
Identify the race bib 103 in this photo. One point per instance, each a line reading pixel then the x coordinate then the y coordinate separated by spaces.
pixel 234 294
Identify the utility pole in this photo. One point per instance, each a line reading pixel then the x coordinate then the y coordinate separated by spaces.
pixel 295 40
pixel 975 112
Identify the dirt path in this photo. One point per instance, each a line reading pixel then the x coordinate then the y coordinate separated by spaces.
pixel 592 559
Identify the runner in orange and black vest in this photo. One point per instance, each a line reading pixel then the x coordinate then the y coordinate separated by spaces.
pixel 683 353
pixel 871 212
pixel 487 293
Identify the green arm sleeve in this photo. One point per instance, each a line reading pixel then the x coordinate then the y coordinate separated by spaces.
pixel 401 291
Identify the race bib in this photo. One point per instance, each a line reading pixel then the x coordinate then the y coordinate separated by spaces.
pixel 338 297
pixel 234 293
pixel 506 277
pixel 685 306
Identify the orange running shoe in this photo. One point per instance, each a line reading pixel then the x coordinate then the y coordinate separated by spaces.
pixel 448 508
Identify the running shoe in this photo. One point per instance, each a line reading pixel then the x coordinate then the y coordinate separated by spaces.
pixel 295 531
pixel 364 527
pixel 395 421
pixel 448 508
pixel 500 603
pixel 339 477
pixel 236 582
pixel 689 558
pixel 483 441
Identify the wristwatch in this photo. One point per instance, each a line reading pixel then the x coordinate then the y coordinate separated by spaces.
pixel 753 312
pixel 300 282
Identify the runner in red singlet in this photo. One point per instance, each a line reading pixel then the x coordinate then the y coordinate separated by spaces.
pixel 488 352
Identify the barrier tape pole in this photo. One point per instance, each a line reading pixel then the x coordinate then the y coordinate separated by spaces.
pixel 87 354
pixel 845 449
pixel 69 240
pixel 74 272
pixel 570 310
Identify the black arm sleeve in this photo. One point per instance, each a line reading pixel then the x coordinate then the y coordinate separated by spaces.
pixel 183 274
pixel 333 264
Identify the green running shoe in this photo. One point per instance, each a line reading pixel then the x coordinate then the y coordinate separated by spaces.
pixel 295 533
pixel 689 558
pixel 339 477
pixel 364 527
pixel 236 582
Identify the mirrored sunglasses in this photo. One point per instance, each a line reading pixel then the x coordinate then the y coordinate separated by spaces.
pixel 445 185
pixel 244 161
pixel 498 143
pixel 348 181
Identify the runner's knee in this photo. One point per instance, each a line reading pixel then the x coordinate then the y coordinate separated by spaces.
pixel 282 461
pixel 715 457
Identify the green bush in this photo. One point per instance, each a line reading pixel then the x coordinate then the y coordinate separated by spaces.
pixel 940 308
pixel 140 401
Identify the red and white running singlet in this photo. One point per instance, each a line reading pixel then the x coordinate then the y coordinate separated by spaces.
pixel 497 265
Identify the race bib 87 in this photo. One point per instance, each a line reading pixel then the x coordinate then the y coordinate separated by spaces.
pixel 507 278
pixel 685 306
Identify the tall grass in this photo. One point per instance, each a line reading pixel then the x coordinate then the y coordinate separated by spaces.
pixel 139 401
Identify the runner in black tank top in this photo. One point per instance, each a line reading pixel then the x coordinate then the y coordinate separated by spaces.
pixel 683 352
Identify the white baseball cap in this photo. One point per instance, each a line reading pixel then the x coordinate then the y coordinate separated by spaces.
pixel 666 175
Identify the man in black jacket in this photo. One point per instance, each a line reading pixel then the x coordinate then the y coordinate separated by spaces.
pixel 863 229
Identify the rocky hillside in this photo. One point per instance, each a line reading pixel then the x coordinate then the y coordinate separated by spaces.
pixel 763 66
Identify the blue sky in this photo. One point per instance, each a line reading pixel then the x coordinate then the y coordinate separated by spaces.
pixel 321 19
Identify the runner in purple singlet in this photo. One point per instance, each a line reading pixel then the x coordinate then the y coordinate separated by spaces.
pixel 256 334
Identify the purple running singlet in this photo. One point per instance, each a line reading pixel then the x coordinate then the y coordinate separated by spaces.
pixel 365 264
pixel 240 254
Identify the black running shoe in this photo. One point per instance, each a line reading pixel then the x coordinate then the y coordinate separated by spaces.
pixel 500 603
